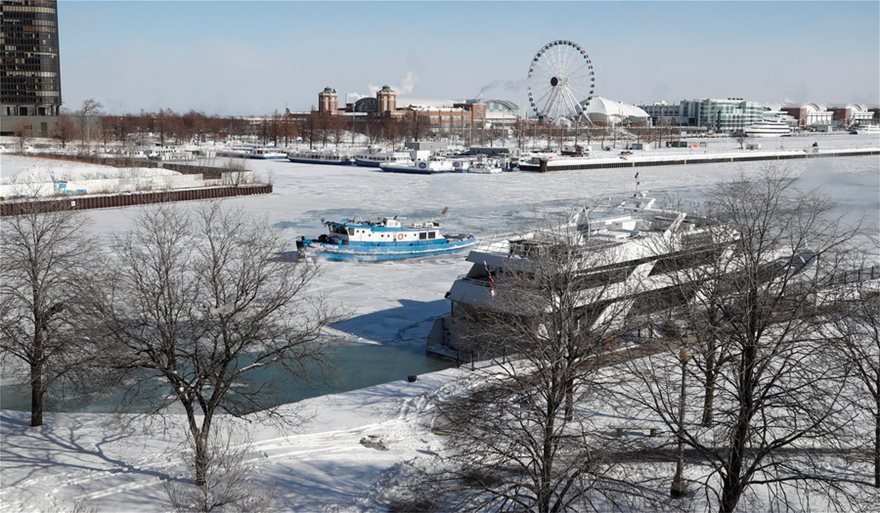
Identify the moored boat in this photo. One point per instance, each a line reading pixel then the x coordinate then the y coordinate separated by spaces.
pixel 320 157
pixel 383 239
pixel 865 129
pixel 376 159
pixel 485 167
pixel 267 154
pixel 426 167
pixel 768 128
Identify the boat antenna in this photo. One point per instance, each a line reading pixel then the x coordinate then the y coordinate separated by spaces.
pixel 636 193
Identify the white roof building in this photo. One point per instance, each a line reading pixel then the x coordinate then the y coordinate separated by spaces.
pixel 610 112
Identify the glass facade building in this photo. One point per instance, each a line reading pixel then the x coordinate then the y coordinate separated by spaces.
pixel 30 72
pixel 722 115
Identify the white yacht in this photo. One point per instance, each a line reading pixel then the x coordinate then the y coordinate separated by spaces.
pixel 163 153
pixel 376 159
pixel 625 256
pixel 429 166
pixel 864 129
pixel 237 152
pixel 320 157
pixel 483 166
pixel 267 153
pixel 768 128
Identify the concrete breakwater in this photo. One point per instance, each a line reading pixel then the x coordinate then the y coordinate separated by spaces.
pixel 91 201
pixel 542 165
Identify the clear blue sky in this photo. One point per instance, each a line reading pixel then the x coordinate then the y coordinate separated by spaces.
pixel 254 57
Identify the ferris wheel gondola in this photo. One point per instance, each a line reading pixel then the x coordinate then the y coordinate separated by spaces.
pixel 561 81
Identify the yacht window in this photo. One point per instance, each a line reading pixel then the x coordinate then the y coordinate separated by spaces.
pixel 350 231
pixel 423 235
pixel 432 235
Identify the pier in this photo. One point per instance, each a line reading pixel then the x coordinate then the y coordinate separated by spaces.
pixel 125 199
pixel 545 165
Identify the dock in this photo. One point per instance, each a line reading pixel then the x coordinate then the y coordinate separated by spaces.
pixel 541 165
pixel 14 207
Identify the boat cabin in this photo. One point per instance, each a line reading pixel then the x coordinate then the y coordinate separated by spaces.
pixel 386 230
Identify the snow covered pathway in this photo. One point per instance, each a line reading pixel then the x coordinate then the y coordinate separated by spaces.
pixel 119 465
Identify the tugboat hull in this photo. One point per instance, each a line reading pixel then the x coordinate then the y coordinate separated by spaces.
pixel 383 251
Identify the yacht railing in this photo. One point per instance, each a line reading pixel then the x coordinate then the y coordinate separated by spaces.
pixel 499 243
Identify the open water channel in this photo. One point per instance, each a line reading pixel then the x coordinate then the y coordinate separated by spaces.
pixel 353 366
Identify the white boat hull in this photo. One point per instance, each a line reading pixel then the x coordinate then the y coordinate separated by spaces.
pixel 765 135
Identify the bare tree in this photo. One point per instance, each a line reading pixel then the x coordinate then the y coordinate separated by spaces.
pixel 90 108
pixel 24 131
pixel 520 132
pixel 45 274
pixel 694 265
pixel 390 130
pixel 779 398
pixel 275 128
pixel 235 172
pixel 228 486
pixel 65 130
pixel 288 129
pixel 200 303
pixel 855 323
pixel 520 442
pixel 311 127
pixel 336 126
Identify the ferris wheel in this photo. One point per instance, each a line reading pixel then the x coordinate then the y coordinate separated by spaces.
pixel 561 81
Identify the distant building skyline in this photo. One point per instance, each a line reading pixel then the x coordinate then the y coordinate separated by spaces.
pixel 29 65
pixel 250 58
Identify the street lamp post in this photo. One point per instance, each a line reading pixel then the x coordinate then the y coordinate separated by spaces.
pixel 351 114
pixel 679 487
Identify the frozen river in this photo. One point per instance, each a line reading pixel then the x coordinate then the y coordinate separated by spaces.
pixel 394 303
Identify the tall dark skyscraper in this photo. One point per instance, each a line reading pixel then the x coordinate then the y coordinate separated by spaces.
pixel 30 72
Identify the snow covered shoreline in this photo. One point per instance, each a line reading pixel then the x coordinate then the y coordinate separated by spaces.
pixel 101 461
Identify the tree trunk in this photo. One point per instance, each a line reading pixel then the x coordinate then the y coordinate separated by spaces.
pixel 546 468
pixel 730 495
pixel 37 389
pixel 732 486
pixel 569 400
pixel 37 394
pixel 201 458
pixel 877 443
pixel 679 489
pixel 709 393
pixel 548 449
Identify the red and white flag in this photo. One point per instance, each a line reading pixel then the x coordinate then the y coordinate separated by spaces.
pixel 490 278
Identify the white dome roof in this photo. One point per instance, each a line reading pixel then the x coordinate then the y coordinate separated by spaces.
pixel 814 107
pixel 603 109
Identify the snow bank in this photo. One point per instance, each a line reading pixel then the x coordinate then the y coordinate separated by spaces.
pixel 35 177
pixel 20 169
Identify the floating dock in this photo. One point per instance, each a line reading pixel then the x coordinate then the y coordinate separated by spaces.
pixel 542 165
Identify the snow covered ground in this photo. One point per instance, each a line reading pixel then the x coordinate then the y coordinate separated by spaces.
pixel 322 467
pixel 31 176
pixel 21 169
pixel 98 460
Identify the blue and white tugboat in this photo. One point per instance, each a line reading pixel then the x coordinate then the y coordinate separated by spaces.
pixel 383 239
